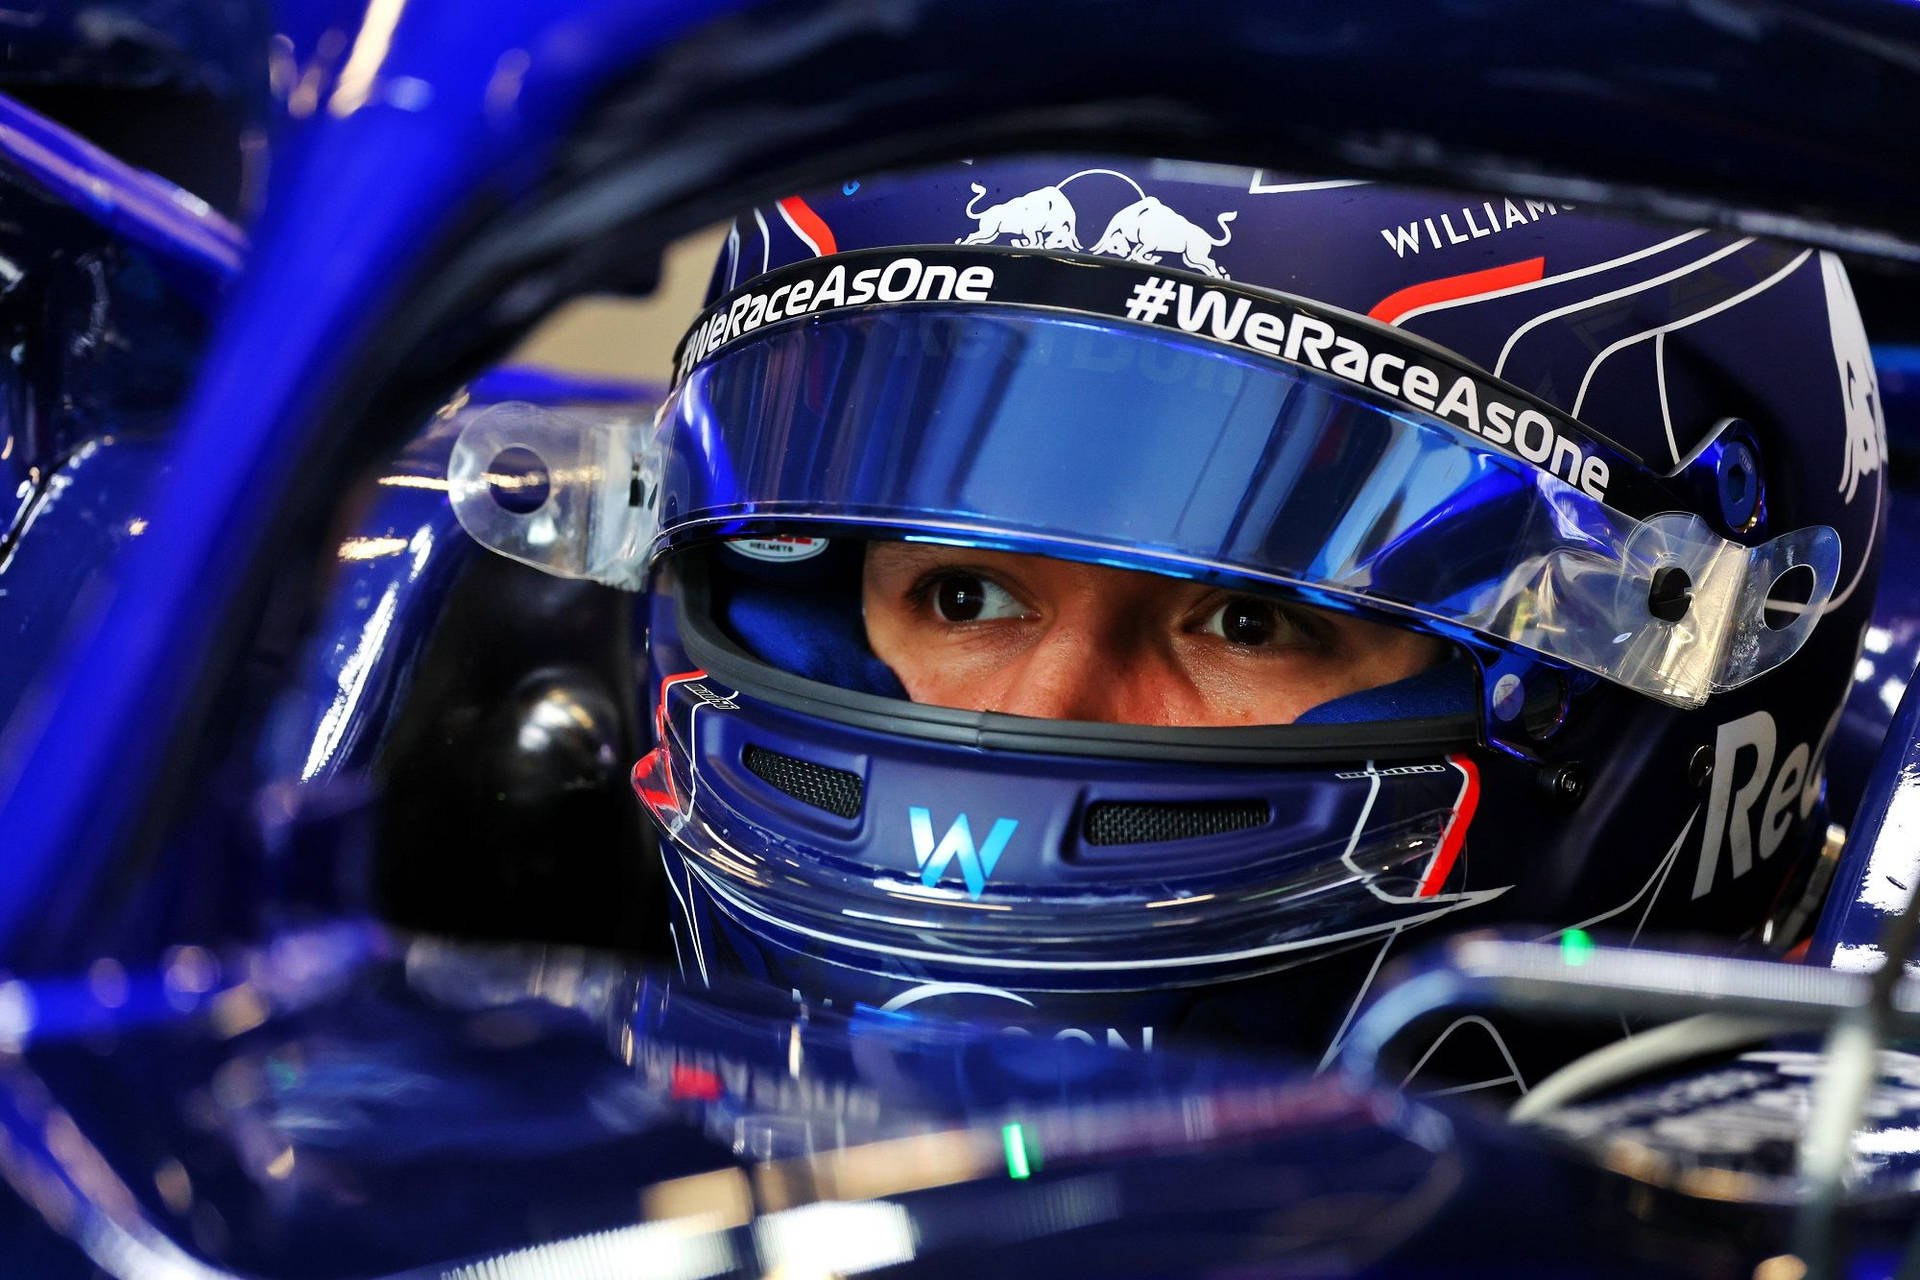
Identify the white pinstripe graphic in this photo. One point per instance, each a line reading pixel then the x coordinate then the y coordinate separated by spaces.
pixel 693 745
pixel 1543 282
pixel 1873 530
pixel 733 253
pixel 1259 188
pixel 1472 1019
pixel 1652 898
pixel 794 227
pixel 1660 381
pixel 1659 874
pixel 732 898
pixel 1366 984
pixel 693 925
pixel 1465 898
pixel 1586 303
pixel 1696 317
pixel 766 241
pixel 693 789
pixel 1353 841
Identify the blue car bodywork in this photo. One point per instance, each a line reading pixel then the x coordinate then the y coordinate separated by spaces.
pixel 219 1056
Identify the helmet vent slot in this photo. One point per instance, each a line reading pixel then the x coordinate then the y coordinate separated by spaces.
pixel 1140 822
pixel 835 790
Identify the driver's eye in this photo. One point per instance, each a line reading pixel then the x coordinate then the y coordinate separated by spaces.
pixel 959 596
pixel 1249 621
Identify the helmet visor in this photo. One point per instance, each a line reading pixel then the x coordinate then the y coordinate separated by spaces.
pixel 1042 431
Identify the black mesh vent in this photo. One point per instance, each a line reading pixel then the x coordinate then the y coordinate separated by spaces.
pixel 835 790
pixel 1120 822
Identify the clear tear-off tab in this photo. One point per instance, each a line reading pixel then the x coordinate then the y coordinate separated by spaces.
pixel 560 490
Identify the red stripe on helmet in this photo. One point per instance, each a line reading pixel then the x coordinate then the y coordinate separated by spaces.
pixel 1455 836
pixel 808 225
pixel 661 800
pixel 1395 305
pixel 658 762
pixel 660 712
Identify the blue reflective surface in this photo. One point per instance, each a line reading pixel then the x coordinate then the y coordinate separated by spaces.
pixel 486 126
pixel 506 1098
pixel 1027 431
pixel 199 247
pixel 132 1146
pixel 971 422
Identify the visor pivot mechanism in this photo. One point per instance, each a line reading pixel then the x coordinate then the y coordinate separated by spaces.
pixel 1671 594
pixel 572 493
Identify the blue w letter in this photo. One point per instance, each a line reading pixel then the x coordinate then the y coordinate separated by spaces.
pixel 975 864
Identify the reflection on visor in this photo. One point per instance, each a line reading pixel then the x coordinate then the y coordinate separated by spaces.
pixel 1097 440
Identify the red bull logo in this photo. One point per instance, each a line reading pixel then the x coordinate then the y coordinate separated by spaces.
pixel 1145 230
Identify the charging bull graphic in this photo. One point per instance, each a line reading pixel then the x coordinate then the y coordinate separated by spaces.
pixel 1041 219
pixel 1147 228
pixel 1045 218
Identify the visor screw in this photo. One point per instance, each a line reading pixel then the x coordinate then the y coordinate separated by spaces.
pixel 1671 594
pixel 1566 783
pixel 1700 767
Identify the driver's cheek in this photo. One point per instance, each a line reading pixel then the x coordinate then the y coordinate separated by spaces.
pixel 1263 690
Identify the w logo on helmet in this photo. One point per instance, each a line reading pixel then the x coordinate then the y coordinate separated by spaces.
pixel 975 864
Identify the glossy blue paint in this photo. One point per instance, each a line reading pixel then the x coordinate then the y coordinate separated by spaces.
pixel 1889 651
pixel 1890 647
pixel 1878 875
pixel 479 135
pixel 176 226
pixel 539 385
pixel 393 569
pixel 69 528
pixel 270 1109
pixel 110 276
pixel 334 199
pixel 372 1115
pixel 1874 766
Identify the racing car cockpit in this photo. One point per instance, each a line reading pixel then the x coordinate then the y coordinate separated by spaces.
pixel 1148 665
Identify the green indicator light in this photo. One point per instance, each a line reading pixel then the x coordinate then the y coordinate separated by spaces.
pixel 1575 946
pixel 1015 1142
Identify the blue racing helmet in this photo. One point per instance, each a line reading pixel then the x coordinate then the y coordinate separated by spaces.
pixel 1623 480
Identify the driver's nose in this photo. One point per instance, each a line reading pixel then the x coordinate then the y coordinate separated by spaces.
pixel 1079 669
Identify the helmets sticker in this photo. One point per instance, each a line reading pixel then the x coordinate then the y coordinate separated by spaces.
pixel 1146 229
pixel 1406 236
pixel 1041 219
pixel 784 547
pixel 1142 231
